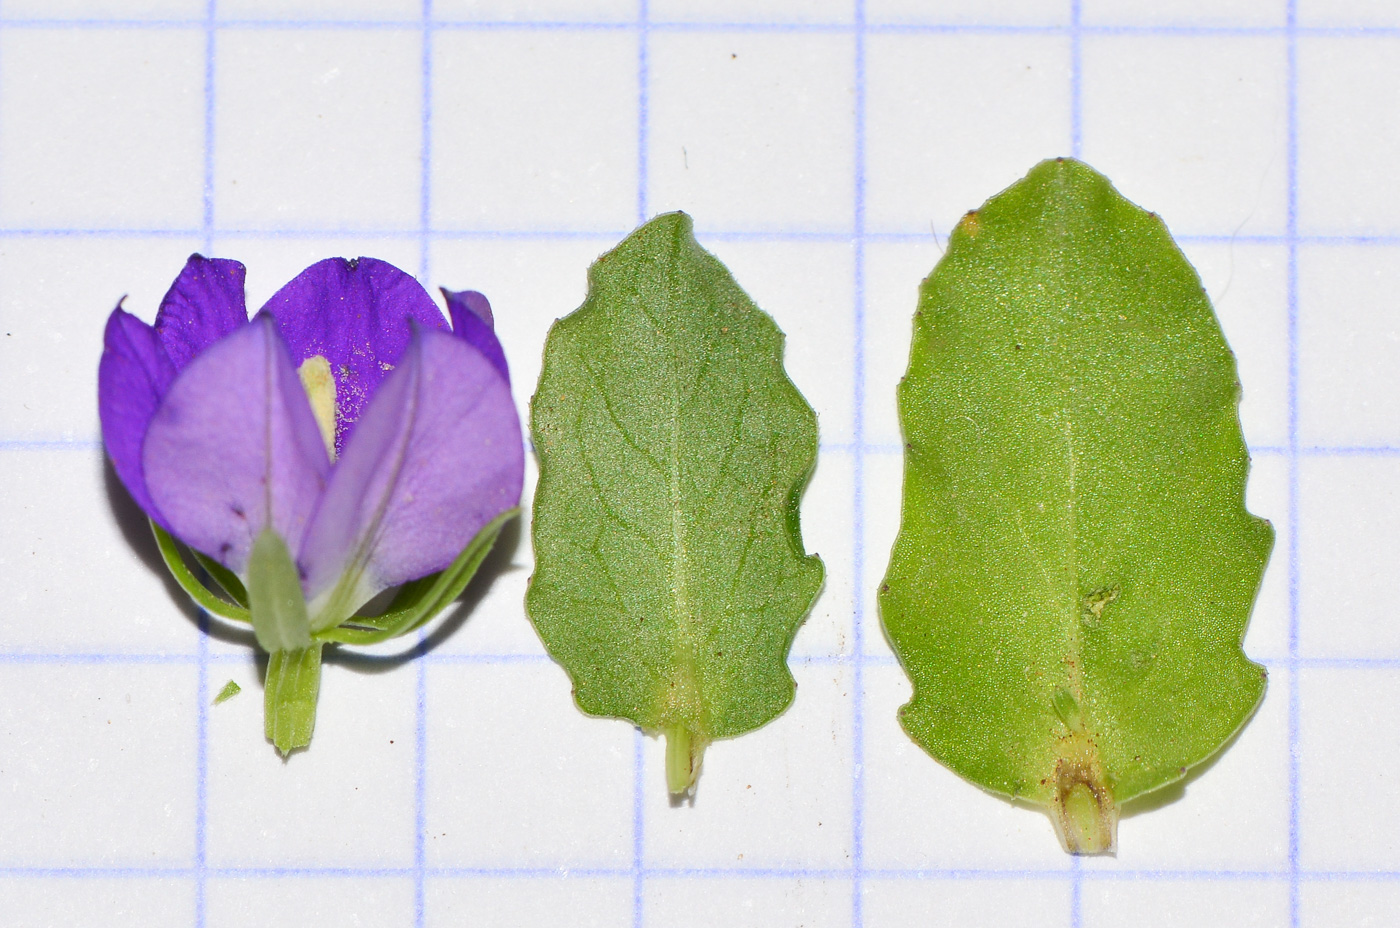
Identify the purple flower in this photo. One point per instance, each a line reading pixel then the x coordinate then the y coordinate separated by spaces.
pixel 345 417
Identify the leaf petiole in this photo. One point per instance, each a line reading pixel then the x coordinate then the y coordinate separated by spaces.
pixel 684 753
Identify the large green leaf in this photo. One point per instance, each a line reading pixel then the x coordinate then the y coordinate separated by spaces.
pixel 1075 566
pixel 670 575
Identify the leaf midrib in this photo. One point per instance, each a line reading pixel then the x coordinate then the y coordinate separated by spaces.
pixel 684 652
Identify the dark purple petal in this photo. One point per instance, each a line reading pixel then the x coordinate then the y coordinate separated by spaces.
pixel 131 379
pixel 356 315
pixel 203 305
pixel 234 447
pixel 472 321
pixel 436 456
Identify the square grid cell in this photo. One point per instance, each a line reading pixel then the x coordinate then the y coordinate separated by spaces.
pixel 332 140
pixel 1349 363
pixel 96 772
pixel 55 295
pixel 419 132
pixel 336 900
pixel 1350 810
pixel 117 902
pixel 519 150
pixel 952 120
pixel 953 903
pixel 740 155
pixel 1203 145
pixel 1342 151
pixel 587 902
pixel 547 12
pixel 102 128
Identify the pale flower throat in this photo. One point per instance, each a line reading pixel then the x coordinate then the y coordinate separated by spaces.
pixel 316 380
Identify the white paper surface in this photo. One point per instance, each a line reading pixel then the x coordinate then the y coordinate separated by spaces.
pixel 824 149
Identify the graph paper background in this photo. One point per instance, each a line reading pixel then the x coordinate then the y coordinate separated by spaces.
pixel 825 147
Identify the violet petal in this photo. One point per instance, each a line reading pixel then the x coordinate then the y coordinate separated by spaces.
pixel 132 377
pixel 204 304
pixel 472 321
pixel 356 315
pixel 436 456
pixel 234 447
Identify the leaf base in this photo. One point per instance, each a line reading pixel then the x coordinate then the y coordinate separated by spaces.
pixel 1082 810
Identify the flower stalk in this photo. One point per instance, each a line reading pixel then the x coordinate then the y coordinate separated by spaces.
pixel 292 687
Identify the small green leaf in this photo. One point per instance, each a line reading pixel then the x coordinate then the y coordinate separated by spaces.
pixel 1075 566
pixel 670 575
pixel 230 690
pixel 275 601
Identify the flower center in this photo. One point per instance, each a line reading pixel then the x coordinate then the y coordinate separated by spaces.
pixel 319 384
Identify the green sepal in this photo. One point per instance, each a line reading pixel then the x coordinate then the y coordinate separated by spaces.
pixel 275 600
pixel 205 598
pixel 289 696
pixel 223 577
pixel 419 600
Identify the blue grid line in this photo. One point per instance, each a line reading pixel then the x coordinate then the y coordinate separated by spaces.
pixel 1294 708
pixel 201 820
pixel 210 51
pixel 420 791
pixel 425 163
pixel 1076 123
pixel 858 483
pixel 643 110
pixel 420 742
pixel 611 236
pixel 1076 79
pixel 1076 891
pixel 643 208
pixel 637 872
pixel 705 26
pixel 867 448
pixel 1011 874
pixel 49 444
pixel 1283 662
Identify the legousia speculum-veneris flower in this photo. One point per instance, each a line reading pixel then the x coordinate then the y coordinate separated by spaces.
pixel 343 441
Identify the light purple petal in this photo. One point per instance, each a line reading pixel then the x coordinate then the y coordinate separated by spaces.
pixel 356 315
pixel 436 456
pixel 234 447
pixel 473 322
pixel 203 305
pixel 132 377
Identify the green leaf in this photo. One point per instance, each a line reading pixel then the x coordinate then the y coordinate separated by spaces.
pixel 670 575
pixel 230 690
pixel 1075 566
pixel 275 601
pixel 419 600
pixel 202 595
